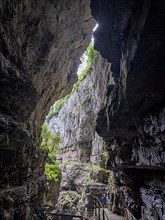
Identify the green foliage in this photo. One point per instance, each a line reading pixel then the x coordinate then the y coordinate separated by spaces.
pixel 50 144
pixel 106 155
pixel 72 162
pixel 97 167
pixel 91 54
pixel 67 198
pixel 70 196
pixel 88 180
pixel 110 178
pixel 57 106
pixel 45 133
pixel 82 197
pixel 51 168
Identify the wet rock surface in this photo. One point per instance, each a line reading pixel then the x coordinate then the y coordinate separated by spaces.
pixel 132 121
pixel 40 46
pixel 153 199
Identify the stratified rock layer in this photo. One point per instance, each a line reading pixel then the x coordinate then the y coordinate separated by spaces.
pixel 131 37
pixel 40 46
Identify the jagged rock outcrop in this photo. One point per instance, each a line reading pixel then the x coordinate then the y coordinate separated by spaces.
pixel 81 147
pixel 131 37
pixel 40 46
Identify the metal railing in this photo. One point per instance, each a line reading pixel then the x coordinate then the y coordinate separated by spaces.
pixel 129 215
pixel 62 216
pixel 101 214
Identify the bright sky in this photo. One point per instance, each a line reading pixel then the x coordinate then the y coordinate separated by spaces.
pixel 84 57
pixel 83 64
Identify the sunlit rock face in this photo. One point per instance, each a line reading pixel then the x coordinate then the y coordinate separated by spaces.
pixel 131 37
pixel 82 150
pixel 76 120
pixel 40 46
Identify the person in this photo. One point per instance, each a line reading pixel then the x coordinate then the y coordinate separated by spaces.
pixel 105 200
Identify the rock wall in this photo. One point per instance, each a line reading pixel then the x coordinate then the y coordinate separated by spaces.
pixel 82 155
pixel 40 46
pixel 131 37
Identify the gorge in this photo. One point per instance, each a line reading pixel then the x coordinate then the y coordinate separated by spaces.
pixel 122 105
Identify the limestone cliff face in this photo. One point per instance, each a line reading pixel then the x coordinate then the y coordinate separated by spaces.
pixel 76 120
pixel 131 37
pixel 81 146
pixel 40 46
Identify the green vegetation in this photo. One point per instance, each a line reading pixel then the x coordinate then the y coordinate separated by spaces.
pixel 51 168
pixel 50 144
pixel 71 162
pixel 110 178
pixel 82 197
pixel 57 106
pixel 88 180
pixel 106 155
pixel 97 167
pixel 70 196
pixel 91 54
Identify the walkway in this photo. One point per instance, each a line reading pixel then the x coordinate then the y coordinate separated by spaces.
pixel 112 216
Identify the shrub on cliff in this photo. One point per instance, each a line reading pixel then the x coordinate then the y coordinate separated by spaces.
pixel 91 54
pixel 50 144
